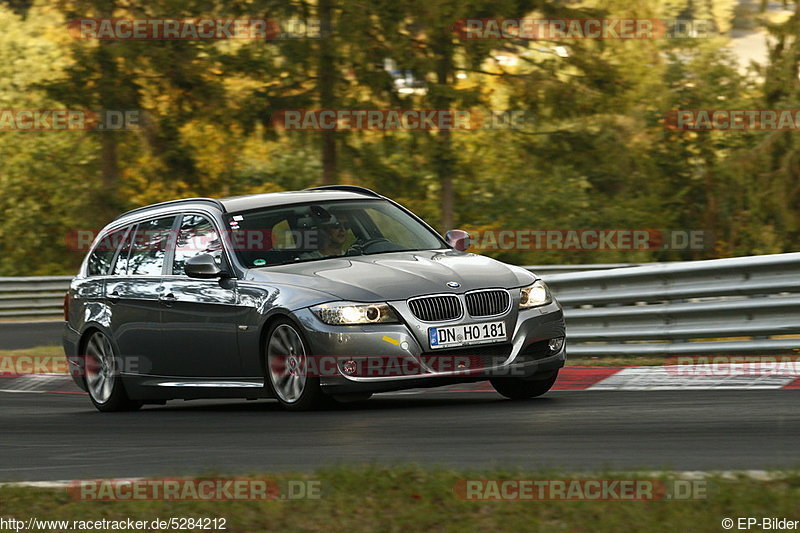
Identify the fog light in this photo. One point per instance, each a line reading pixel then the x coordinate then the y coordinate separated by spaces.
pixel 556 344
pixel 349 367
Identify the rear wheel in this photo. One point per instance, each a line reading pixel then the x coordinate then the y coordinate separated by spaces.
pixel 522 389
pixel 102 378
pixel 288 369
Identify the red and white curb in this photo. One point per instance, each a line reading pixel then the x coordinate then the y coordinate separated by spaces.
pixel 723 377
pixel 656 378
pixel 38 383
pixel 575 378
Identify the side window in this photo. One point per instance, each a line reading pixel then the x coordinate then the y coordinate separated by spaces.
pixel 99 263
pixel 196 236
pixel 121 266
pixel 149 247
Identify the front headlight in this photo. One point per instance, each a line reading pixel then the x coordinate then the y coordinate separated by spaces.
pixel 346 313
pixel 535 295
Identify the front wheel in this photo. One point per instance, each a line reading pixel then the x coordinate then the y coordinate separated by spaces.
pixel 523 389
pixel 102 378
pixel 288 369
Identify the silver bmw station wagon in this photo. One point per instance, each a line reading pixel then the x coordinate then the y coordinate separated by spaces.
pixel 313 297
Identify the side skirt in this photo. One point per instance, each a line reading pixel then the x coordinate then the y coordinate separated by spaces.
pixel 170 388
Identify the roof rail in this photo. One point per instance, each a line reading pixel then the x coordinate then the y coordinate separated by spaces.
pixel 348 188
pixel 214 202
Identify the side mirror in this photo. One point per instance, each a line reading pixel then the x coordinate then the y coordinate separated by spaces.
pixel 203 266
pixel 458 239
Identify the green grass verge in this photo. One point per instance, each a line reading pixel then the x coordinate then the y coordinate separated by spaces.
pixel 38 350
pixel 39 360
pixel 407 498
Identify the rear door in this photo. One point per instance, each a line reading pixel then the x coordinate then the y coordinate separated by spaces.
pixel 134 293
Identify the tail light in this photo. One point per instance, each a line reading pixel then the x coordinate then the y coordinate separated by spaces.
pixel 66 307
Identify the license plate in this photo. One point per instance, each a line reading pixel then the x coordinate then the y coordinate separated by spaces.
pixel 464 335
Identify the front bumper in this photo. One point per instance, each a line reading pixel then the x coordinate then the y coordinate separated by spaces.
pixel 409 363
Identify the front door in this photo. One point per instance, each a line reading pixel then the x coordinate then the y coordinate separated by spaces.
pixel 200 317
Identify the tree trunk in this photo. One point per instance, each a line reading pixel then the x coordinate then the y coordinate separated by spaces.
pixel 444 169
pixel 444 160
pixel 326 77
pixel 107 86
pixel 109 174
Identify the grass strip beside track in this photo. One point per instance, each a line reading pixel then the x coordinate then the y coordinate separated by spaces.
pixel 409 498
pixel 46 359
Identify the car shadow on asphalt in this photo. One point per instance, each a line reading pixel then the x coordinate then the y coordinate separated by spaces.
pixel 379 403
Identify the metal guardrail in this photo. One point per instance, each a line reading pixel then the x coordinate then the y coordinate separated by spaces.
pixel 40 297
pixel 567 269
pixel 742 305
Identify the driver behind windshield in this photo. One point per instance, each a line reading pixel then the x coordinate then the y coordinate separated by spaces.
pixel 337 228
pixel 332 235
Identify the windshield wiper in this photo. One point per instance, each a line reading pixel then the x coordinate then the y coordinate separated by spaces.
pixel 395 251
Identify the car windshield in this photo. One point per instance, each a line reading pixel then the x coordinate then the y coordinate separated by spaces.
pixel 323 230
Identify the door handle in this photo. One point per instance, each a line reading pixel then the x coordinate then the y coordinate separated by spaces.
pixel 114 295
pixel 168 298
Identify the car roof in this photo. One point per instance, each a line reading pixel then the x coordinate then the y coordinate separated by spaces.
pixel 235 204
pixel 255 201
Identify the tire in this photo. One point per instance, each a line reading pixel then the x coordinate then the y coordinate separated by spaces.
pixel 105 387
pixel 286 364
pixel 523 389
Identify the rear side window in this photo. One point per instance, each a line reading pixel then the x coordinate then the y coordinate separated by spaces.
pixel 99 263
pixel 121 266
pixel 196 236
pixel 148 247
